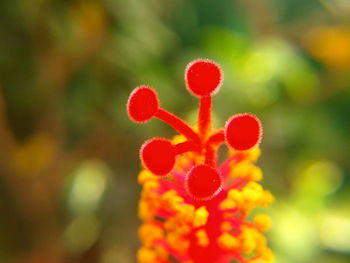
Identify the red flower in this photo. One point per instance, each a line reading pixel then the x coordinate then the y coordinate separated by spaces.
pixel 192 209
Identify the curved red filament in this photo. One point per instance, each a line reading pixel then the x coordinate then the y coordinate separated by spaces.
pixel 178 124
pixel 188 146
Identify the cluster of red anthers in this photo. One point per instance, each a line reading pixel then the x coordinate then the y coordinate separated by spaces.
pixel 193 210
pixel 241 132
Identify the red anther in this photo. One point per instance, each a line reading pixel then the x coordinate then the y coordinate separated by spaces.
pixel 143 104
pixel 203 182
pixel 203 77
pixel 243 131
pixel 158 156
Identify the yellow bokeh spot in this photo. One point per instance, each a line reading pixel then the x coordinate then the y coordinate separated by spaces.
pixel 330 45
pixel 34 155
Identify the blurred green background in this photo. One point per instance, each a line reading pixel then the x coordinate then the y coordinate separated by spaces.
pixel 69 153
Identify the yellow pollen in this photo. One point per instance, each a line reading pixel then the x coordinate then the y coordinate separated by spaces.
pixel 145 175
pixel 253 154
pixel 227 204
pixel 202 238
pixel 150 185
pixel 161 252
pixel 172 200
pixel 267 199
pixel 177 242
pixel 148 233
pixel 226 226
pixel 144 211
pixel 235 195
pixel 242 169
pixel 227 241
pixel 249 239
pixel 145 255
pixel 177 225
pixel 267 255
pixel 186 213
pixel 256 173
pixel 200 217
pixel 263 222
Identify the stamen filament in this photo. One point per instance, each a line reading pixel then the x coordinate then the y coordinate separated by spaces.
pixel 216 138
pixel 211 147
pixel 210 156
pixel 204 116
pixel 187 146
pixel 178 124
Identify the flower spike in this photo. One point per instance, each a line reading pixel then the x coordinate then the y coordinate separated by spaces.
pixel 194 210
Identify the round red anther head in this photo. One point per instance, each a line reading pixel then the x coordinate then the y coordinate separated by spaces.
pixel 203 77
pixel 203 182
pixel 158 155
pixel 142 104
pixel 243 131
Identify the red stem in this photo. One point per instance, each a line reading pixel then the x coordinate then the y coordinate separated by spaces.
pixel 178 124
pixel 204 116
pixel 216 138
pixel 186 147
pixel 211 147
pixel 210 156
